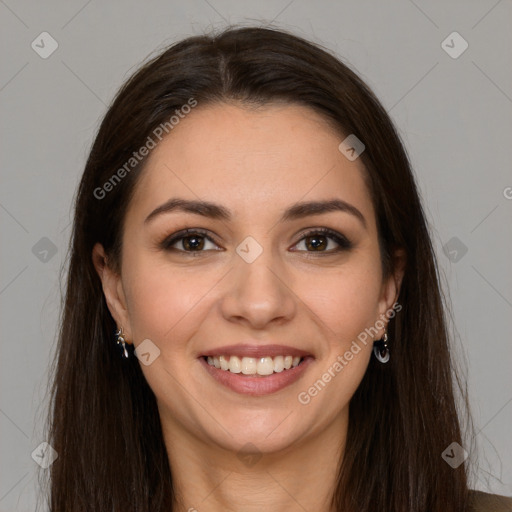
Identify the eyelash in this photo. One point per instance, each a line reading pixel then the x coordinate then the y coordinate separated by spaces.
pixel 343 242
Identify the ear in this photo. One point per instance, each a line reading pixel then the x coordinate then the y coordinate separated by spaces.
pixel 113 290
pixel 391 285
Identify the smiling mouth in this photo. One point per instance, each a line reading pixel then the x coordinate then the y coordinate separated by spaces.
pixel 254 366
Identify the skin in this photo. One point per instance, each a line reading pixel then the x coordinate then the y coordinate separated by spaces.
pixel 256 163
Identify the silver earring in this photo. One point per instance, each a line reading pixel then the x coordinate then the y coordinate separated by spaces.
pixel 381 349
pixel 121 341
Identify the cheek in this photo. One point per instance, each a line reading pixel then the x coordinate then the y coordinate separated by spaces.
pixel 161 300
pixel 346 302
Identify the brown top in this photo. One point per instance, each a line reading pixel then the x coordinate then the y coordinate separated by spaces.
pixel 484 502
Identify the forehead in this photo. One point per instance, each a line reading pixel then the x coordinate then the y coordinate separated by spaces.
pixel 244 157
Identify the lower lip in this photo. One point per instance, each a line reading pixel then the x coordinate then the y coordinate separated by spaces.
pixel 257 386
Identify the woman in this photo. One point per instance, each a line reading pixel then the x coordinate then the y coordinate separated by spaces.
pixel 253 319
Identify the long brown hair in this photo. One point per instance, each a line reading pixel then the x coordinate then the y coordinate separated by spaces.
pixel 104 422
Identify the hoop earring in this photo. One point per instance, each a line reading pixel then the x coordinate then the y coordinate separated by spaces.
pixel 381 349
pixel 121 341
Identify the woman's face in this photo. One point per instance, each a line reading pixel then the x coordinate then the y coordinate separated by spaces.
pixel 254 281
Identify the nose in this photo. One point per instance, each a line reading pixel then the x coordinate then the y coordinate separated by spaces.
pixel 258 294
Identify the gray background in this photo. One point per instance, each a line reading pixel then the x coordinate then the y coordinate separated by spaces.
pixel 454 116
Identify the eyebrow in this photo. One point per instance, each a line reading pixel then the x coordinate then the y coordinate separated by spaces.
pixel 296 211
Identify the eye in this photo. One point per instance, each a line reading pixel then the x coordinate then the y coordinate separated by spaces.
pixel 189 240
pixel 195 241
pixel 318 240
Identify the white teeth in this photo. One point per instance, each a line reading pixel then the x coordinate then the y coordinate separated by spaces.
pixel 265 366
pixel 224 363
pixel 254 366
pixel 278 364
pixel 248 365
pixel 235 365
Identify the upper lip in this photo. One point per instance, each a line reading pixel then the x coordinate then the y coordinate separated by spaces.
pixel 255 351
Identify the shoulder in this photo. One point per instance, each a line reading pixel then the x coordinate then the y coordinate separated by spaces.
pixel 484 502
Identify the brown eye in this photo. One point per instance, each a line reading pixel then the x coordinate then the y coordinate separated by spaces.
pixel 188 241
pixel 321 241
pixel 316 242
pixel 193 243
pixel 325 241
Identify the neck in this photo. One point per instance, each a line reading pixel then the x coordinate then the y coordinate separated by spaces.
pixel 210 478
